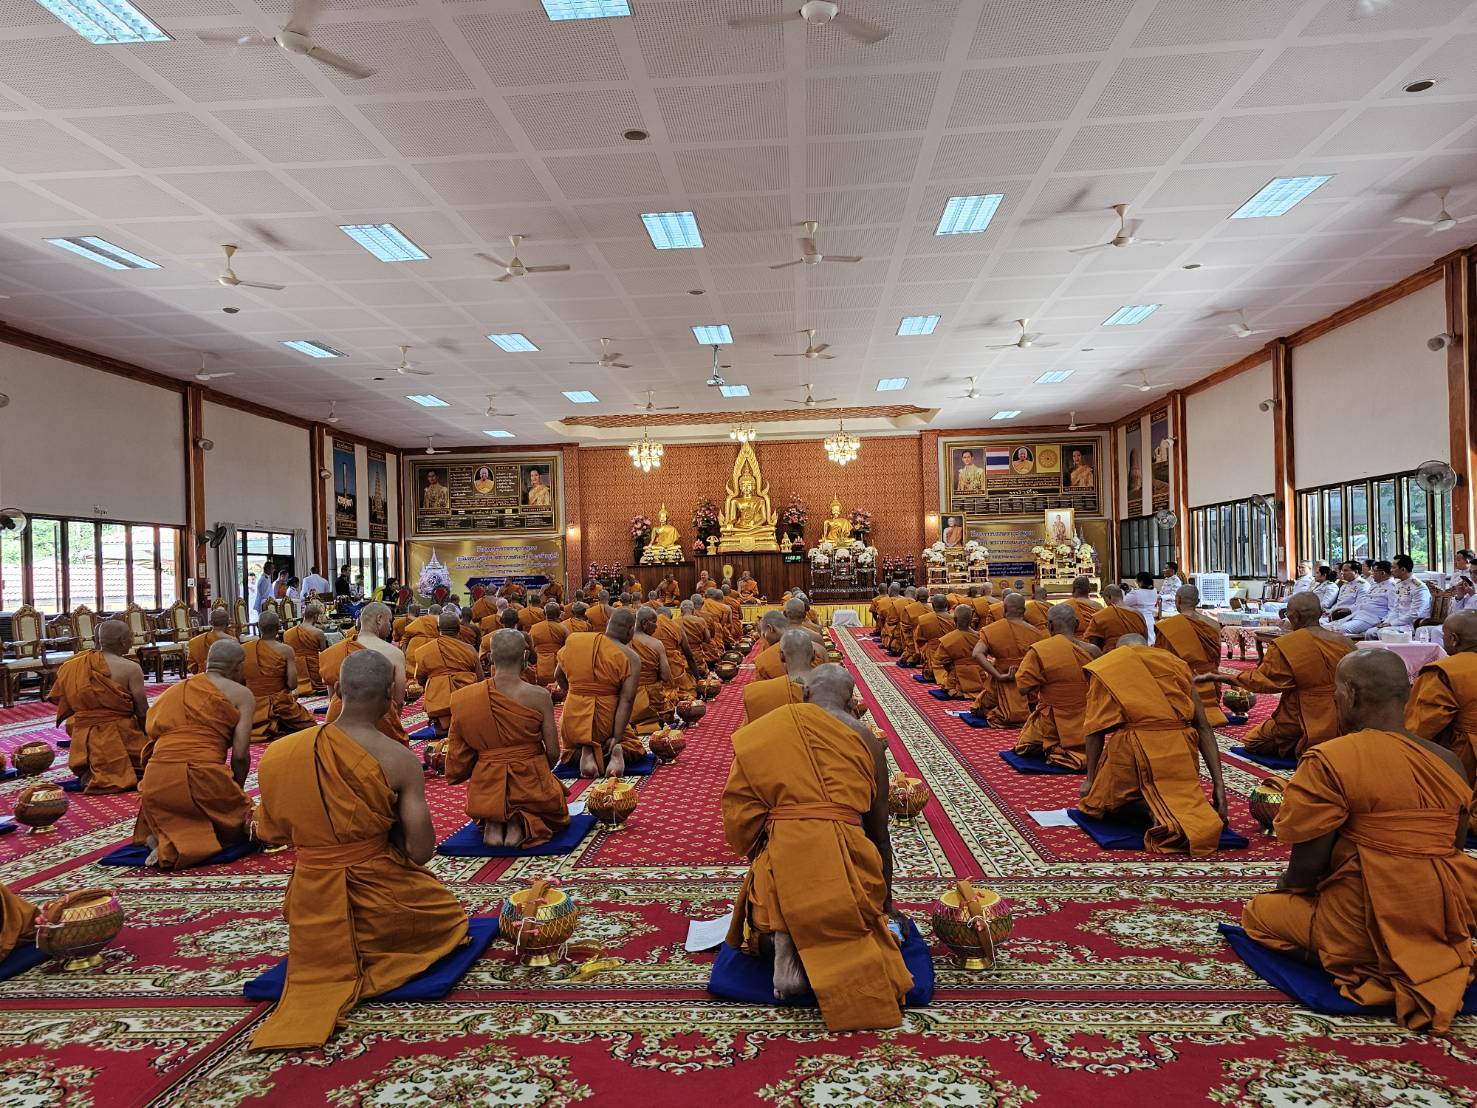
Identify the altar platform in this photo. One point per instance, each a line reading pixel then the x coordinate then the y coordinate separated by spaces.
pixel 775 575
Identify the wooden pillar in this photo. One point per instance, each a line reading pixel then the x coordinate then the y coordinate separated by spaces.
pixel 196 524
pixel 1178 471
pixel 1108 567
pixel 1461 364
pixel 574 546
pixel 1284 475
pixel 316 467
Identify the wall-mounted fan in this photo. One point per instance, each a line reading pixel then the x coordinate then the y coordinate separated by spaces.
pixel 1166 520
pixel 12 520
pixel 1435 476
pixel 213 537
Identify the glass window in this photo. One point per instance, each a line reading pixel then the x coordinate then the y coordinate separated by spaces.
pixel 82 564
pixel 145 566
pixel 1333 526
pixel 1417 525
pixel 1234 538
pixel 113 539
pixel 45 537
pixel 169 583
pixel 1358 522
pixel 1386 528
pixel 12 570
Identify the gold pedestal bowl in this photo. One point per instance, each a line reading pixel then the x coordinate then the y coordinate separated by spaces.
pixel 41 805
pixel 906 797
pixel 1265 801
pixel 32 758
pixel 540 921
pixel 611 801
pixel 77 926
pixel 972 923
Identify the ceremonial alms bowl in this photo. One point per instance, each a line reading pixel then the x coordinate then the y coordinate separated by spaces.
pixel 556 692
pixel 744 645
pixel 726 671
pixel 1238 702
pixel 691 711
pixel 733 656
pixel 834 656
pixel 972 923
pixel 611 802
pixel 906 796
pixel 710 686
pixel 1265 801
pixel 39 806
pixel 32 758
pixel 78 925
pixel 436 756
pixel 666 744
pixel 413 692
pixel 540 920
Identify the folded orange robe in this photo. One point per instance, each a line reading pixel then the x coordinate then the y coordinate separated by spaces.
pixel 417 631
pixel 444 665
pixel 330 662
pixel 962 677
pixel 669 634
pixel 1085 610
pixel 1300 666
pixel 652 698
pixel 198 649
pixel 763 697
pixel 1110 624
pixel 1000 701
pixel 188 799
pixel 1197 643
pixel 1442 707
pixel 1392 921
pixel 496 745
pixel 305 645
pixel 17 921
pixel 277 709
pixel 362 918
pixel 596 667
pixel 927 630
pixel 1053 682
pixel 1036 613
pixel 107 741
pixel 547 637
pixel 1146 698
pixel 796 791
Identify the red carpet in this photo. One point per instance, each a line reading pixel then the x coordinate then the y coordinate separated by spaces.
pixel 1113 989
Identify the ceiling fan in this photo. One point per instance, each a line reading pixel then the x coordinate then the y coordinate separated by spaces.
pixel 1026 340
pixel 407 368
pixel 492 409
pixel 296 37
pixel 607 359
pixel 1444 220
pixel 1143 385
pixel 430 449
pixel 652 406
pixel 811 400
pixel 514 267
pixel 818 13
pixel 332 412
pixel 231 281
pixel 811 351
pixel 972 394
pixel 1243 329
pixel 715 379
pixel 201 375
pixel 811 253
pixel 1127 234
pixel 1075 426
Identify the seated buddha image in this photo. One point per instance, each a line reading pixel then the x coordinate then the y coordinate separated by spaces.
pixel 664 536
pixel 748 520
pixel 836 528
pixel 748 509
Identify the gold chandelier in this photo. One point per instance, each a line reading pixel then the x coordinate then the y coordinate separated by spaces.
pixel 645 455
pixel 743 432
pixel 842 447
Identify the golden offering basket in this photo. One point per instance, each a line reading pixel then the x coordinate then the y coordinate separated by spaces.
pixel 77 926
pixel 710 686
pixel 1238 703
pixel 906 797
pixel 32 758
pixel 972 923
pixel 666 744
pixel 611 802
pixel 1265 801
pixel 413 692
pixel 540 920
pixel 41 805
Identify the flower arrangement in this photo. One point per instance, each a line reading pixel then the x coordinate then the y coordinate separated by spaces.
pixel 867 556
pixel 434 575
pixel 820 557
pixel 861 522
pixel 640 527
pixel 977 555
pixel 699 547
pixel 795 515
pixel 705 518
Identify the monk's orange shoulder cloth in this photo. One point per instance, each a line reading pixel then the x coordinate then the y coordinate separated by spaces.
pixel 763 697
pixel 329 663
pixel 17 921
pixel 497 746
pixel 107 741
pixel 1443 706
pixel 596 667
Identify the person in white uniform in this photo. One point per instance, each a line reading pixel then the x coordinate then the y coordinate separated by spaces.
pixel 1170 587
pixel 1327 587
pixel 1351 588
pixel 1305 581
pixel 316 582
pixel 1410 600
pixel 1143 600
pixel 264 586
pixel 1372 607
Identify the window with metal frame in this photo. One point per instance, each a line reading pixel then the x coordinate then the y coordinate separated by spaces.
pixel 1376 517
pixel 57 564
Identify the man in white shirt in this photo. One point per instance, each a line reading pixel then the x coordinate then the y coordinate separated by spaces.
pixel 315 581
pixel 1169 588
pixel 1463 560
pixel 1410 600
pixel 1143 600
pixel 356 591
pixel 1372 607
pixel 1326 589
pixel 264 585
pixel 1305 582
pixel 1463 596
pixel 1351 588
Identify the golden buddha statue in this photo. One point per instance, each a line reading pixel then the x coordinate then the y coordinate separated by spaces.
pixel 748 520
pixel 664 544
pixel 837 528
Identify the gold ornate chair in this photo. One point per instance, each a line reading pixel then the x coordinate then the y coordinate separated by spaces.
pixel 24 654
pixel 288 609
pixel 243 616
pixel 174 623
pixel 84 627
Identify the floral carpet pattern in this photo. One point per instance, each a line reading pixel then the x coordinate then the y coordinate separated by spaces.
pixel 1112 989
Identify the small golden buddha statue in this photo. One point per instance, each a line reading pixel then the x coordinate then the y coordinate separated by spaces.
pixel 837 528
pixel 664 544
pixel 748 519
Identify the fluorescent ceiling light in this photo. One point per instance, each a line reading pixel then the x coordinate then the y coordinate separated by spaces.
pixel 314 349
pixel 1007 413
pixel 385 241
pixel 968 215
pixel 673 230
pixel 103 252
pixel 426 400
pixel 105 22
pixel 734 390
pixel 1130 314
pixel 586 9
pixel 713 334
pixel 513 343
pixel 892 384
pixel 498 433
pixel 1054 376
pixel 581 396
pixel 1279 195
pixel 918 325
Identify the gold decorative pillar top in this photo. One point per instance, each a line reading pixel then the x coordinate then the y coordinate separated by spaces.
pixel 748 519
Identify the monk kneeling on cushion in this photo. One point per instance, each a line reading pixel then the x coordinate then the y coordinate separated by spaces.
pixel 270 672
pixel 999 651
pixel 363 914
pixel 806 803
pixel 762 697
pixel 1145 698
pixel 1378 889
pixel 199 646
pixel 504 744
pixel 599 673
pixel 547 637
pixel 1195 640
pixel 190 805
pixel 308 641
pixel 962 675
pixel 374 627
pixel 1052 680
pixel 1111 622
pixel 442 666
pixel 100 697
pixel 654 699
pixel 1443 701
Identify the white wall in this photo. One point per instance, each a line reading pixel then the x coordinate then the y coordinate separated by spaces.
pixel 1228 441
pixel 258 474
pixel 1369 398
pixel 79 442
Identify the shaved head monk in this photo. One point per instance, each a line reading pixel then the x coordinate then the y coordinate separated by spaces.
pixel 308 641
pixel 888 606
pixel 806 802
pixel 397 628
pixel 797 615
pixel 695 627
pixel 1082 602
pixel 1114 620
pixel 1300 665
pixel 1051 678
pixel 1036 608
pixel 442 666
pixel 654 699
pixel 719 615
pixel 99 696
pixel 933 625
pixel 1195 640
pixel 578 618
pixel 374 625
pixel 547 637
pixel 190 805
pixel 199 646
pixel 680 658
pixel 962 675
pixel 748 588
pixel 768 664
pixel 797 651
pixel 1443 703
pixel 419 630
pixel 598 614
pixel 270 672
pixel 909 612
pixel 1145 699
pixel 1002 645
pixel 482 605
pixel 503 744
pixel 599 674
pixel 1378 888
pixel 363 914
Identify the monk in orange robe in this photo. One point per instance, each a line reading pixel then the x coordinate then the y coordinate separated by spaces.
pixel 599 674
pixel 767 663
pixel 1146 699
pixel 190 805
pixel 364 915
pixel 1378 889
pixel 748 589
pixel 999 651
pixel 400 623
pixel 547 637
pixel 982 600
pixel 271 675
pixel 909 612
pixel 482 605
pixel 1300 665
pixel 504 744
pixel 199 646
pixel 962 676
pixel 1037 607
pixel 99 696
pixel 1196 641
pixel 1051 678
pixel 887 629
pixel 1443 703
pixel 806 803
pixel 578 621
pixel 17 922
pixel 598 614
pixel 718 614
pixel 466 630
pixel 763 696
pixel 1114 620
pixel 421 628
pixel 442 666
pixel 531 615
pixel 931 626
pixel 308 641
pixel 695 627
pixel 680 659
pixel 654 695
pixel 1082 602
pixel 735 611
pixel 374 625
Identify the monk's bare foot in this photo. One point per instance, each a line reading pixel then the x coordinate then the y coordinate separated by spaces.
pixel 615 762
pixel 789 974
pixel 513 833
pixel 153 844
pixel 492 833
pixel 587 762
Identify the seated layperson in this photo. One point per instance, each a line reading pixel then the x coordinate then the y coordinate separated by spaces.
pixel 1372 606
pixel 99 696
pixel 1410 599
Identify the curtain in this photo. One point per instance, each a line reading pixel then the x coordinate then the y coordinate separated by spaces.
pixel 227 573
pixel 301 554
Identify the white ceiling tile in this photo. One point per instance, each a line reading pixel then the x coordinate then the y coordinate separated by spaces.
pixel 36 146
pixel 576 120
pixel 525 48
pixel 735 169
pixel 858 104
pixel 162 141
pixel 301 133
pixel 350 189
pixel 438 128
pixel 119 197
pixel 713 113
pixel 1019 94
pixel 1327 73
pixel 243 192
pixel 682 40
pixel 1064 27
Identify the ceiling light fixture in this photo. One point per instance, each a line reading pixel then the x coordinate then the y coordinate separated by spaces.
pixel 645 454
pixel 1423 85
pixel 917 325
pixel 1279 196
pixel 1006 413
pixel 512 342
pixel 713 334
pixel 743 432
pixel 892 384
pixel 968 215
pixel 106 22
pixel 581 396
pixel 427 400
pixel 497 433
pixel 103 252
pixel 385 241
pixel 673 230
pixel 314 349
pixel 731 391
pixel 842 447
pixel 1130 314
pixel 1054 376
pixel 636 134
pixel 586 9
pixel 1190 265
